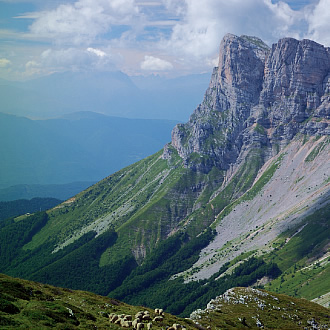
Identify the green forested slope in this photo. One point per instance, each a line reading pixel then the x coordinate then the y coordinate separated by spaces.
pixel 22 206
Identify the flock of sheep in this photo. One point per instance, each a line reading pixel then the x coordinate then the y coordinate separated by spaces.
pixel 141 320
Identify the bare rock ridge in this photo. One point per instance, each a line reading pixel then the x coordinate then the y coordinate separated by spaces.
pixel 258 97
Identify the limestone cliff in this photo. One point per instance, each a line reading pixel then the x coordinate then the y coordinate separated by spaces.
pixel 258 97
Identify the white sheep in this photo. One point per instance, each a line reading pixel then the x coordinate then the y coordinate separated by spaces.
pixel 139 326
pixel 157 319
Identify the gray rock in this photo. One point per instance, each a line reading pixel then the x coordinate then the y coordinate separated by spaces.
pixel 258 97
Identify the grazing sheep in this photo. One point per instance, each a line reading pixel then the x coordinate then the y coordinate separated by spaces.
pixel 139 326
pixel 135 322
pixel 125 324
pixel 149 326
pixel 114 318
pixel 139 315
pixel 157 319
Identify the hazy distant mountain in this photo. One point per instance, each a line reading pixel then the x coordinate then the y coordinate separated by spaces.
pixel 78 147
pixel 111 93
pixel 29 191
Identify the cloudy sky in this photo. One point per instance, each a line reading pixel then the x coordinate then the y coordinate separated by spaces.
pixel 170 37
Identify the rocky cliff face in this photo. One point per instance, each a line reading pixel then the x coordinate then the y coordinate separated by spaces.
pixel 258 97
pixel 265 111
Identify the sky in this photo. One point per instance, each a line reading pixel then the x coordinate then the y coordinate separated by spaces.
pixel 143 37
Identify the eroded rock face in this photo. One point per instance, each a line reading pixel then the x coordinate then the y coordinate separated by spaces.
pixel 257 98
pixel 295 86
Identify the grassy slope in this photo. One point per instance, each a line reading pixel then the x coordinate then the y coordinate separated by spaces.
pixel 26 304
pixel 302 255
pixel 144 203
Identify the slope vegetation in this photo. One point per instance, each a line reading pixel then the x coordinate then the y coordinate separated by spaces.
pixel 26 304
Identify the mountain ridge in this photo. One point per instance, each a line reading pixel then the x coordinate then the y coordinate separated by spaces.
pixel 111 93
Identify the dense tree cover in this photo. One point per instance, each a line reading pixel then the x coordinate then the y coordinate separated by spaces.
pixel 23 206
pixel 75 266
pixel 29 262
pixel 170 257
pixel 156 289
pixel 14 235
pixel 80 269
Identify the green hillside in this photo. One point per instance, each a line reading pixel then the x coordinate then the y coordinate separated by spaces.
pixel 30 305
pixel 131 236
pixel 27 305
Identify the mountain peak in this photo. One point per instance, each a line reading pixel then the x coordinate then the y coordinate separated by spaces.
pixel 254 93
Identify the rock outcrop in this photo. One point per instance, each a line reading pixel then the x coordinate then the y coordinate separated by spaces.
pixel 258 97
pixel 254 308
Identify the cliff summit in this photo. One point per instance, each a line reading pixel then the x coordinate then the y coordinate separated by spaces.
pixel 258 97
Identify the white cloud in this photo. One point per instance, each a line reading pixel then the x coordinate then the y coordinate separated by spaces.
pixel 5 63
pixel 84 20
pixel 212 62
pixel 176 7
pixel 32 65
pixel 204 23
pixel 29 15
pixel 103 34
pixel 64 58
pixel 97 52
pixel 149 3
pixel 152 63
pixel 32 68
pixel 75 59
pixel 319 23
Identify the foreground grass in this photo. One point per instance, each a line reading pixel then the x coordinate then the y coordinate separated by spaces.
pixel 31 305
